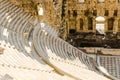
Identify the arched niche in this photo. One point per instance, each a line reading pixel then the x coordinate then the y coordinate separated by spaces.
pixel 90 23
pixel 100 19
pixel 72 31
pixel 81 24
pixel 100 25
pixel 110 24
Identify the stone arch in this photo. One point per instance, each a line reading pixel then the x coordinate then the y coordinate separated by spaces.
pixel 100 25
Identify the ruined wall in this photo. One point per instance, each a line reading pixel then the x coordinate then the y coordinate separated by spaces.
pixel 81 14
pixel 75 16
pixel 52 10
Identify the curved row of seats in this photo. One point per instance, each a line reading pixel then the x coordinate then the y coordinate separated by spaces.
pixel 15 57
pixel 64 57
pixel 22 67
pixel 15 42
pixel 16 21
pixel 14 18
pixel 111 64
pixel 19 59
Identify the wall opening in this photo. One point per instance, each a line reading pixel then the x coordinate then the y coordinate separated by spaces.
pixel 72 31
pixel 81 24
pixel 90 23
pixel 100 26
pixel 110 23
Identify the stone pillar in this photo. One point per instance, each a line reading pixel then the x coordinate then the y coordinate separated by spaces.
pixel 118 14
pixel 106 25
pixel 115 27
pixel 111 12
pixel 71 26
pixel 94 25
pixel 78 20
pixel 68 28
pixel 78 23
pixel 68 24
pixel 118 28
pixel 100 11
pixel 85 27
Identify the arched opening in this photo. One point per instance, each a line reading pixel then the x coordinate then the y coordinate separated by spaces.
pixel 81 24
pixel 72 31
pixel 90 23
pixel 100 19
pixel 110 24
pixel 100 26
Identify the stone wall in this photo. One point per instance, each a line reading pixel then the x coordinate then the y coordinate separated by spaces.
pixel 75 16
pixel 81 14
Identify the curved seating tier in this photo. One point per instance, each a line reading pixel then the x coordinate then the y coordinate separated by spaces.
pixel 23 67
pixel 38 53
pixel 19 60
pixel 111 64
pixel 64 57
pixel 14 18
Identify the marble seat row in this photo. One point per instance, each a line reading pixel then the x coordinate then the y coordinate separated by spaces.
pixel 15 18
pixel 64 57
pixel 13 57
pixel 19 59
pixel 21 67
pixel 16 27
pixel 17 50
pixel 110 64
pixel 57 59
pixel 12 38
pixel 16 21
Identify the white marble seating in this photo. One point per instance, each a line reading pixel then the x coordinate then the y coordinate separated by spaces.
pixel 19 60
pixel 110 64
pixel 63 56
pixel 35 52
